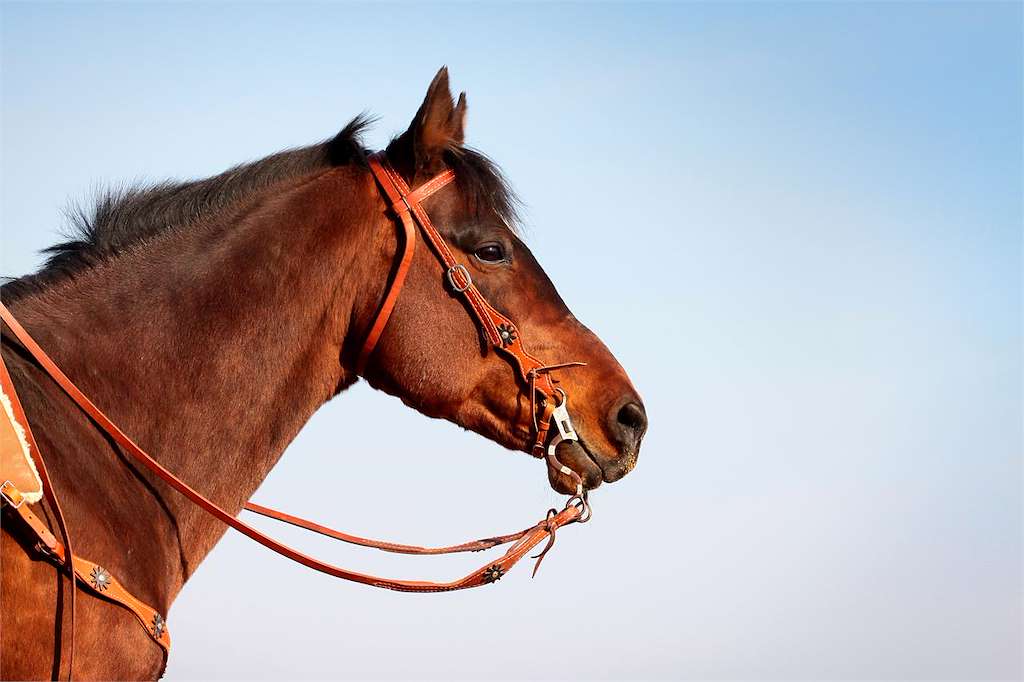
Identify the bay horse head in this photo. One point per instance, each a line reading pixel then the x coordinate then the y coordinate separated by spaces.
pixel 435 356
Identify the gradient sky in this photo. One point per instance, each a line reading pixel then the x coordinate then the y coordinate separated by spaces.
pixel 798 226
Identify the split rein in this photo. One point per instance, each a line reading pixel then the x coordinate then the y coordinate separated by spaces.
pixel 548 405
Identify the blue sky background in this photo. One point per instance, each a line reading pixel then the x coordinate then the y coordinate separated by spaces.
pixel 801 234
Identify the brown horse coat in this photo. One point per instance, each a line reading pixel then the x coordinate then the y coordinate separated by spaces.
pixel 211 319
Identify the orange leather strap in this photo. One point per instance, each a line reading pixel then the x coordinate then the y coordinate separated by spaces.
pixel 103 584
pixel 488 574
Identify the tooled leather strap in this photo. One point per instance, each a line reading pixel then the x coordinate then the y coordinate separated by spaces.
pixel 48 493
pixel 488 574
pixel 98 579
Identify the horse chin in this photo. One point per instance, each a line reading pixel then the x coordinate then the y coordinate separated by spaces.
pixel 575 456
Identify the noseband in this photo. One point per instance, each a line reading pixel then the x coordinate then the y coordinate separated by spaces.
pixel 548 403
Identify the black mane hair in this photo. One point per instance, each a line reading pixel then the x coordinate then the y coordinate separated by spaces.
pixel 123 217
pixel 484 185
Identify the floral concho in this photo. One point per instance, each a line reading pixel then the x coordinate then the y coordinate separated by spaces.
pixel 99 578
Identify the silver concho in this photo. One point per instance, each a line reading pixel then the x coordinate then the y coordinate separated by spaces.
pixel 99 578
pixel 158 625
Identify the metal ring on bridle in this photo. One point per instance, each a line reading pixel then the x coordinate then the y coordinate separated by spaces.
pixel 465 273
pixel 581 503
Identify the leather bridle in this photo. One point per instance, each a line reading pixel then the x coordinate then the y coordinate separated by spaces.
pixel 498 330
pixel 548 406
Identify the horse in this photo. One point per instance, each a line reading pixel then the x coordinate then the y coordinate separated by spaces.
pixel 212 318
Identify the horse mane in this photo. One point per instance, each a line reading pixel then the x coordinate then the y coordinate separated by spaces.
pixel 123 217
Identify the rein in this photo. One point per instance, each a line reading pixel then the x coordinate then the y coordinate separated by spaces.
pixel 549 404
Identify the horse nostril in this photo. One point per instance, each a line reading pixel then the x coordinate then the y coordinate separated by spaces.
pixel 632 420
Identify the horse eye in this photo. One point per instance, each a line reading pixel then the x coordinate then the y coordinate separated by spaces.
pixel 491 253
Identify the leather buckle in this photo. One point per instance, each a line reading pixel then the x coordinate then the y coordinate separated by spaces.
pixel 11 494
pixel 459 267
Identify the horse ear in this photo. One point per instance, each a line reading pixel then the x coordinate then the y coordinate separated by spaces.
pixel 459 119
pixel 439 124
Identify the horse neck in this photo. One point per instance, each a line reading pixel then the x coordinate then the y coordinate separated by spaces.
pixel 212 346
